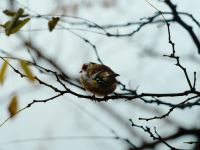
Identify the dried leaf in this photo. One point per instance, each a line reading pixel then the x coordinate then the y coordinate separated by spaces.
pixel 14 19
pixel 27 70
pixel 15 24
pixel 13 13
pixel 13 106
pixel 52 23
pixel 3 72
pixel 9 29
pixel 9 13
pixel 19 13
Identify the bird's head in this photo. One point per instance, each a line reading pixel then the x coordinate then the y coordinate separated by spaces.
pixel 86 65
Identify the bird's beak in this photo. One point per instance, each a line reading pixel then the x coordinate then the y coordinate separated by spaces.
pixel 115 75
pixel 80 71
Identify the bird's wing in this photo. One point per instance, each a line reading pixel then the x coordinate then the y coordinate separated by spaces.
pixel 102 77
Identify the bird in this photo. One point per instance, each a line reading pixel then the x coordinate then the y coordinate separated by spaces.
pixel 98 79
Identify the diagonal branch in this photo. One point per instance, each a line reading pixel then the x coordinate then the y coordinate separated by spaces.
pixel 187 27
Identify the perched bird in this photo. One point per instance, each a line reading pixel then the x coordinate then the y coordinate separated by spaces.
pixel 98 79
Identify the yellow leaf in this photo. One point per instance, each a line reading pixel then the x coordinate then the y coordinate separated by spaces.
pixel 27 70
pixel 3 72
pixel 52 23
pixel 13 106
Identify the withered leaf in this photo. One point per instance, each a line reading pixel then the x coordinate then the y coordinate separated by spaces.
pixel 9 13
pixel 13 13
pixel 27 70
pixel 3 72
pixel 13 106
pixel 15 24
pixel 52 23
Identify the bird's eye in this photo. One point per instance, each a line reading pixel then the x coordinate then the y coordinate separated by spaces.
pixel 84 67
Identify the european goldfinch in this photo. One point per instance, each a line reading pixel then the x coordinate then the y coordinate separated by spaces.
pixel 98 79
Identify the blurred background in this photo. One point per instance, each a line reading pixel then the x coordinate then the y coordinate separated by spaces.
pixel 69 122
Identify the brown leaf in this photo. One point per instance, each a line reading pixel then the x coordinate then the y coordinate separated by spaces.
pixel 3 72
pixel 9 13
pixel 52 23
pixel 13 106
pixel 15 23
pixel 18 25
pixel 27 70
